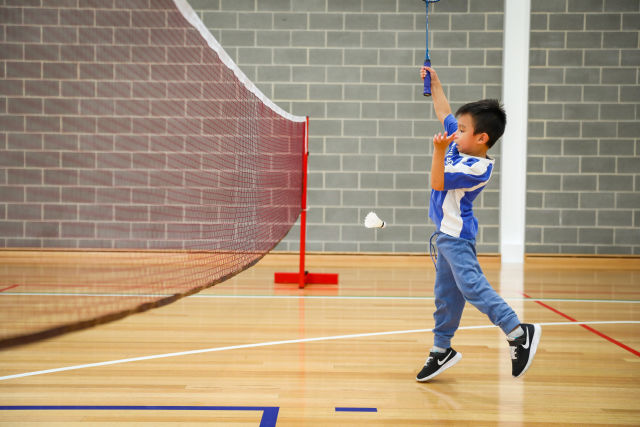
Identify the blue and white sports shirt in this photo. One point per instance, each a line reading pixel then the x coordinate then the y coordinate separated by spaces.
pixel 464 178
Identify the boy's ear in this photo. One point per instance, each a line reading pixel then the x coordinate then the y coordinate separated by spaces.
pixel 482 138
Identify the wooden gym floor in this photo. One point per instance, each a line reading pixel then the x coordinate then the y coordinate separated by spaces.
pixel 251 352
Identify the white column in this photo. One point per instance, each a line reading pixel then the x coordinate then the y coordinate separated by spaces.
pixel 513 160
pixel 513 182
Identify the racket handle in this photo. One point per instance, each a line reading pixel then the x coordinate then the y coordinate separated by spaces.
pixel 427 80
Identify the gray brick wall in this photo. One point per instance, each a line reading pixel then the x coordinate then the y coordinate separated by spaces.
pixel 584 159
pixel 352 66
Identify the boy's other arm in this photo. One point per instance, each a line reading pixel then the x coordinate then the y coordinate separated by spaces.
pixel 440 144
pixel 440 103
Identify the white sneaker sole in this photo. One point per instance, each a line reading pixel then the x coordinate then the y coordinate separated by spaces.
pixel 455 359
pixel 537 332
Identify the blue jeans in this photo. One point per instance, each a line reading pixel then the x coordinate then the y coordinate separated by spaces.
pixel 459 278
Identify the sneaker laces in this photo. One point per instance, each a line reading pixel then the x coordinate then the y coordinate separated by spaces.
pixel 514 344
pixel 514 352
pixel 429 360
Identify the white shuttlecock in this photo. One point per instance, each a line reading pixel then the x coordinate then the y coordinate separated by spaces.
pixel 372 221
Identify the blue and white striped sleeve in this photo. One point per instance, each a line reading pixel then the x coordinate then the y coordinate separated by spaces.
pixel 467 172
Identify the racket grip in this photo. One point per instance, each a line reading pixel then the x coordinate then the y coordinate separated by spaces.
pixel 427 80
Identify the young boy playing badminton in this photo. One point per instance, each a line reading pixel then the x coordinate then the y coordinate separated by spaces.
pixel 460 169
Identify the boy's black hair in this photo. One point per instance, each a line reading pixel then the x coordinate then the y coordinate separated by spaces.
pixel 488 117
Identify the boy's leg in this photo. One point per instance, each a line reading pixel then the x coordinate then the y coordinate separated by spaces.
pixel 461 257
pixel 449 303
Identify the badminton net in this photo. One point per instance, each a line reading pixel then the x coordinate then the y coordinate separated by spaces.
pixel 138 164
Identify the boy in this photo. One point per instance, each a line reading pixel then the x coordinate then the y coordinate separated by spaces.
pixel 460 168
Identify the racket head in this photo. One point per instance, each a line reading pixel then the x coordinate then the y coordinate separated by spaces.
pixel 426 29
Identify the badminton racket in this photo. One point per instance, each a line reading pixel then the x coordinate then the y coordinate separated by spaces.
pixel 427 58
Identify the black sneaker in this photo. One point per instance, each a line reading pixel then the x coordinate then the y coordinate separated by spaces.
pixel 523 348
pixel 437 363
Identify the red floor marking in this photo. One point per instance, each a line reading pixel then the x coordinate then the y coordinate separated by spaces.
pixel 10 287
pixel 588 328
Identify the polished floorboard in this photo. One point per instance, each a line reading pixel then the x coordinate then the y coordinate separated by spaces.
pixel 250 352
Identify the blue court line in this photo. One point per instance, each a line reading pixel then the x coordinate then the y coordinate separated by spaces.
pixel 269 413
pixel 338 409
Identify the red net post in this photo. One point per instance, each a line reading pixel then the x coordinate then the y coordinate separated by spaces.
pixel 303 277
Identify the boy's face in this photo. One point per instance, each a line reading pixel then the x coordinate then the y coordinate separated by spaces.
pixel 467 141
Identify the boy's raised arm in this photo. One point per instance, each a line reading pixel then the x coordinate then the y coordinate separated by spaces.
pixel 440 103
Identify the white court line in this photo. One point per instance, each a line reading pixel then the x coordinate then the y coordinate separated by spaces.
pixel 272 343
pixel 334 297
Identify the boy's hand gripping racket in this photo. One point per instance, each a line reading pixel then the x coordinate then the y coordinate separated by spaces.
pixel 427 59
